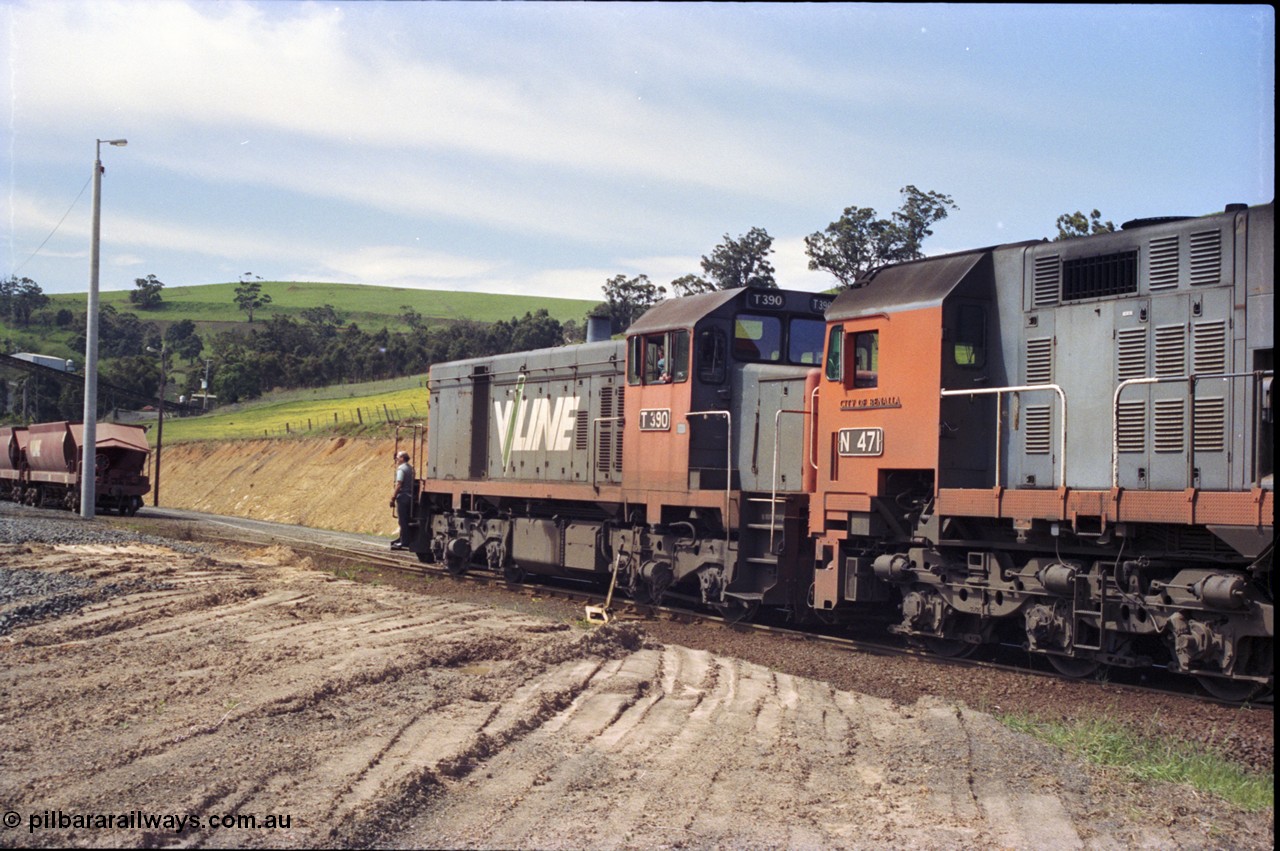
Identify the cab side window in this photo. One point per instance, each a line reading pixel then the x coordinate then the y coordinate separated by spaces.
pixel 866 359
pixel 658 358
pixel 712 355
pixel 971 336
pixel 835 353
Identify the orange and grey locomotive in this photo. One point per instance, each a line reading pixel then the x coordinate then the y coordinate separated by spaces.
pixel 652 459
pixel 1066 445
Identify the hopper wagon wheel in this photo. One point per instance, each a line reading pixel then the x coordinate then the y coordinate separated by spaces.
pixel 454 565
pixel 513 573
pixel 134 504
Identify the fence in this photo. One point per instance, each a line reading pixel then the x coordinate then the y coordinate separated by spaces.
pixel 370 415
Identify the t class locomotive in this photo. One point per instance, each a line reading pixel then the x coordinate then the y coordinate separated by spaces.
pixel 1067 445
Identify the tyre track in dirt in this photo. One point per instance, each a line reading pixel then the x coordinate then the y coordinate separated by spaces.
pixel 249 682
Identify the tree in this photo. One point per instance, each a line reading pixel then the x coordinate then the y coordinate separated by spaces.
pixel 181 338
pixel 859 241
pixel 146 292
pixel 741 262
pixel 1071 225
pixel 249 295
pixel 626 299
pixel 19 298
pixel 691 285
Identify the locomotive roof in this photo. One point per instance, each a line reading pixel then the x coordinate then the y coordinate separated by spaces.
pixel 905 286
pixel 681 312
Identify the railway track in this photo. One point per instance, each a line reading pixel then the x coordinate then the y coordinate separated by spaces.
pixel 329 546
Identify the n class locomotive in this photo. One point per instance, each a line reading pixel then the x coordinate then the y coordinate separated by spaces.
pixel 1067 445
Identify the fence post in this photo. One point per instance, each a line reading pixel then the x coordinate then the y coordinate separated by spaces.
pixel 359 417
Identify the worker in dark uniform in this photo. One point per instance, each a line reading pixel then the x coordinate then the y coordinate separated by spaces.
pixel 402 499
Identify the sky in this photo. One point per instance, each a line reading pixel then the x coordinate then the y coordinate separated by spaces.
pixel 543 148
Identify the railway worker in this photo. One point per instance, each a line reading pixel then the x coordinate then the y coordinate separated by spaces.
pixel 402 499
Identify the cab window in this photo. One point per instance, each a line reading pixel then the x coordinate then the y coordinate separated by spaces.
pixel 866 359
pixel 835 353
pixel 711 356
pixel 804 341
pixel 971 336
pixel 757 338
pixel 658 358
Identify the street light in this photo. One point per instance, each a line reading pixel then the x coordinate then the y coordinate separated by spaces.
pixel 88 462
pixel 164 382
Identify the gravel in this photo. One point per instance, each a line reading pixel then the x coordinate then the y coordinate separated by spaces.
pixel 30 596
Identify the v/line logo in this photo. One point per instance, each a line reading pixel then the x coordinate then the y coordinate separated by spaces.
pixel 528 425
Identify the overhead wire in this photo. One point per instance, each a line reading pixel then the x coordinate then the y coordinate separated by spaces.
pixel 55 228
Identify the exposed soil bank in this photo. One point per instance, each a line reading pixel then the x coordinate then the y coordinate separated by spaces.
pixel 338 483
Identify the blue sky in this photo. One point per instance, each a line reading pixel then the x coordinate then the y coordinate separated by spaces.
pixel 541 148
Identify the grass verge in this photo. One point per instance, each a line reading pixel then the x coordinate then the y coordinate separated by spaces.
pixel 1107 743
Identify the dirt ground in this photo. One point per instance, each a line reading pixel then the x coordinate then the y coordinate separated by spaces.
pixel 202 685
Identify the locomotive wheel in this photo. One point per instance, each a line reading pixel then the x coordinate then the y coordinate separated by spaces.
pixel 1076 669
pixel 1232 691
pixel 950 648
pixel 455 566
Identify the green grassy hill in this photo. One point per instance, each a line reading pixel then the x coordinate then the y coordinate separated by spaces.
pixel 212 307
pixel 371 408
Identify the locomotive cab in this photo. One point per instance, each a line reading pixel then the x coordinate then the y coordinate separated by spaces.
pixel 891 437
pixel 716 388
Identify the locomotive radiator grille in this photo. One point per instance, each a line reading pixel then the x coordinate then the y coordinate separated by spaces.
pixel 1039 360
pixel 1206 258
pixel 1210 423
pixel 1131 427
pixel 1209 347
pixel 1171 351
pixel 1039 419
pixel 1131 354
pixel 1047 278
pixel 1170 425
pixel 1163 273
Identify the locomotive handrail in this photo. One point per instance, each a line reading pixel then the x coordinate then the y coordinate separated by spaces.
pixel 813 429
pixel 1023 388
pixel 1191 380
pixel 728 467
pixel 773 505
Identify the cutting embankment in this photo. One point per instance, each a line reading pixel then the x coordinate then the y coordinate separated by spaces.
pixel 340 483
